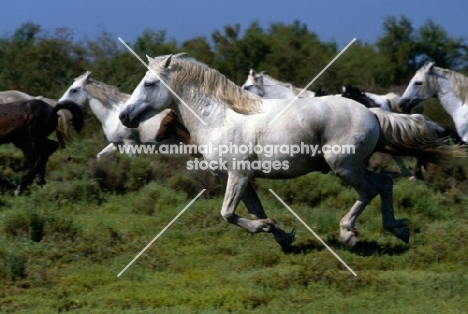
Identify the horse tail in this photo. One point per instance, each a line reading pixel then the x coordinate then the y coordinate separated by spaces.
pixel 77 112
pixel 411 135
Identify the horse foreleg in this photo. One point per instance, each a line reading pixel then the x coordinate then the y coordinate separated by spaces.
pixel 109 149
pixel 237 185
pixel 255 208
pixel 29 153
pixel 48 147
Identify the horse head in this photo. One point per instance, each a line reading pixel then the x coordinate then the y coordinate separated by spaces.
pixel 254 83
pixel 167 127
pixel 152 95
pixel 77 91
pixel 419 89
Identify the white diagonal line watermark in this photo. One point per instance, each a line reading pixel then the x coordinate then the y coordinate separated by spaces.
pixel 312 231
pixel 311 82
pixel 164 83
pixel 160 233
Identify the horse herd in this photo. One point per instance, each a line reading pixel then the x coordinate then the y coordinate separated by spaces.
pixel 183 100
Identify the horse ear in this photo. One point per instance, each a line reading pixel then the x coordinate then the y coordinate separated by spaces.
pixel 167 62
pixel 180 54
pixel 429 66
pixel 149 58
pixel 258 78
pixel 87 75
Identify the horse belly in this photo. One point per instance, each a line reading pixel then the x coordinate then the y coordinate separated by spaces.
pixel 288 167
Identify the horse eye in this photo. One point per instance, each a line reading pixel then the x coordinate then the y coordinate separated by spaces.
pixel 418 83
pixel 150 84
pixel 74 90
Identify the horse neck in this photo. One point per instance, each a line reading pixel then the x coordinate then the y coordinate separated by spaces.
pixel 268 80
pixel 103 113
pixel 182 132
pixel 277 92
pixel 377 99
pixel 212 112
pixel 363 99
pixel 451 103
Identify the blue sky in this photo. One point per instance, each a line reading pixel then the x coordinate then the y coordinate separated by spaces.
pixel 338 20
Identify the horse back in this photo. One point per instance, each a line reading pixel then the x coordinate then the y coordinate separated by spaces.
pixel 342 117
pixel 32 119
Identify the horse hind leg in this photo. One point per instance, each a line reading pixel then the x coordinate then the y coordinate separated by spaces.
pixel 398 227
pixel 418 173
pixel 370 184
pixel 403 170
pixel 367 191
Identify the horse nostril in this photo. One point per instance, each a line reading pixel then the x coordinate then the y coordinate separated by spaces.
pixel 122 116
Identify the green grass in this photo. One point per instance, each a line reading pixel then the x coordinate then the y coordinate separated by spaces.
pixel 62 246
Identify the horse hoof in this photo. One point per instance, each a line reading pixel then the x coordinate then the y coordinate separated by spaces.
pixel 284 239
pixel 17 192
pixel 351 242
pixel 349 237
pixel 402 233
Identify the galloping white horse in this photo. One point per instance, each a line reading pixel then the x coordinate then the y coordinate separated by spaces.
pixel 237 119
pixel 106 102
pixel 451 88
pixel 269 88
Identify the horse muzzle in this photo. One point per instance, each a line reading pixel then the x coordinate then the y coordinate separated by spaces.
pixel 126 120
pixel 406 105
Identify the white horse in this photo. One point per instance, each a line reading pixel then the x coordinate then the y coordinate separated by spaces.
pixel 237 119
pixel 269 88
pixel 451 88
pixel 106 102
pixel 389 102
pixel 65 120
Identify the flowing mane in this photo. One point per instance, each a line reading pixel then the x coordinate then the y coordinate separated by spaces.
pixel 459 82
pixel 210 83
pixel 106 94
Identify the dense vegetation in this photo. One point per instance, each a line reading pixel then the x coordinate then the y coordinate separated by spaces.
pixel 62 246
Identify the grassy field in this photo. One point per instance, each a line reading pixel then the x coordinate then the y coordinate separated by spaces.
pixel 62 246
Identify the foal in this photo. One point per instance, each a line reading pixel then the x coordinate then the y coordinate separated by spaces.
pixel 171 125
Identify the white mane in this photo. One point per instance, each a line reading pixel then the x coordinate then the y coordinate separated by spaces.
pixel 459 82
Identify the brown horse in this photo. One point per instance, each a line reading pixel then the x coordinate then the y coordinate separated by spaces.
pixel 171 125
pixel 65 120
pixel 27 124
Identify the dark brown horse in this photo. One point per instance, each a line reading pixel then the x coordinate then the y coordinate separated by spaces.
pixel 27 124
